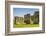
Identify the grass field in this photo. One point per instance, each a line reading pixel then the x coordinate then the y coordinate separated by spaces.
pixel 25 25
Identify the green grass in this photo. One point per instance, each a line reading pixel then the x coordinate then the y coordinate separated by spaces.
pixel 25 25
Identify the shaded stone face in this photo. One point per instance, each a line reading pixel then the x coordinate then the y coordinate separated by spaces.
pixel 36 17
pixel 27 18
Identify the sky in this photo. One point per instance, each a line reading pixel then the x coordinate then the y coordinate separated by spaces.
pixel 22 11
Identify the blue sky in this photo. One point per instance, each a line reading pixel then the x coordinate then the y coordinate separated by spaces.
pixel 22 11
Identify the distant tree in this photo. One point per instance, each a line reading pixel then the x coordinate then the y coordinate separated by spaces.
pixel 14 20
